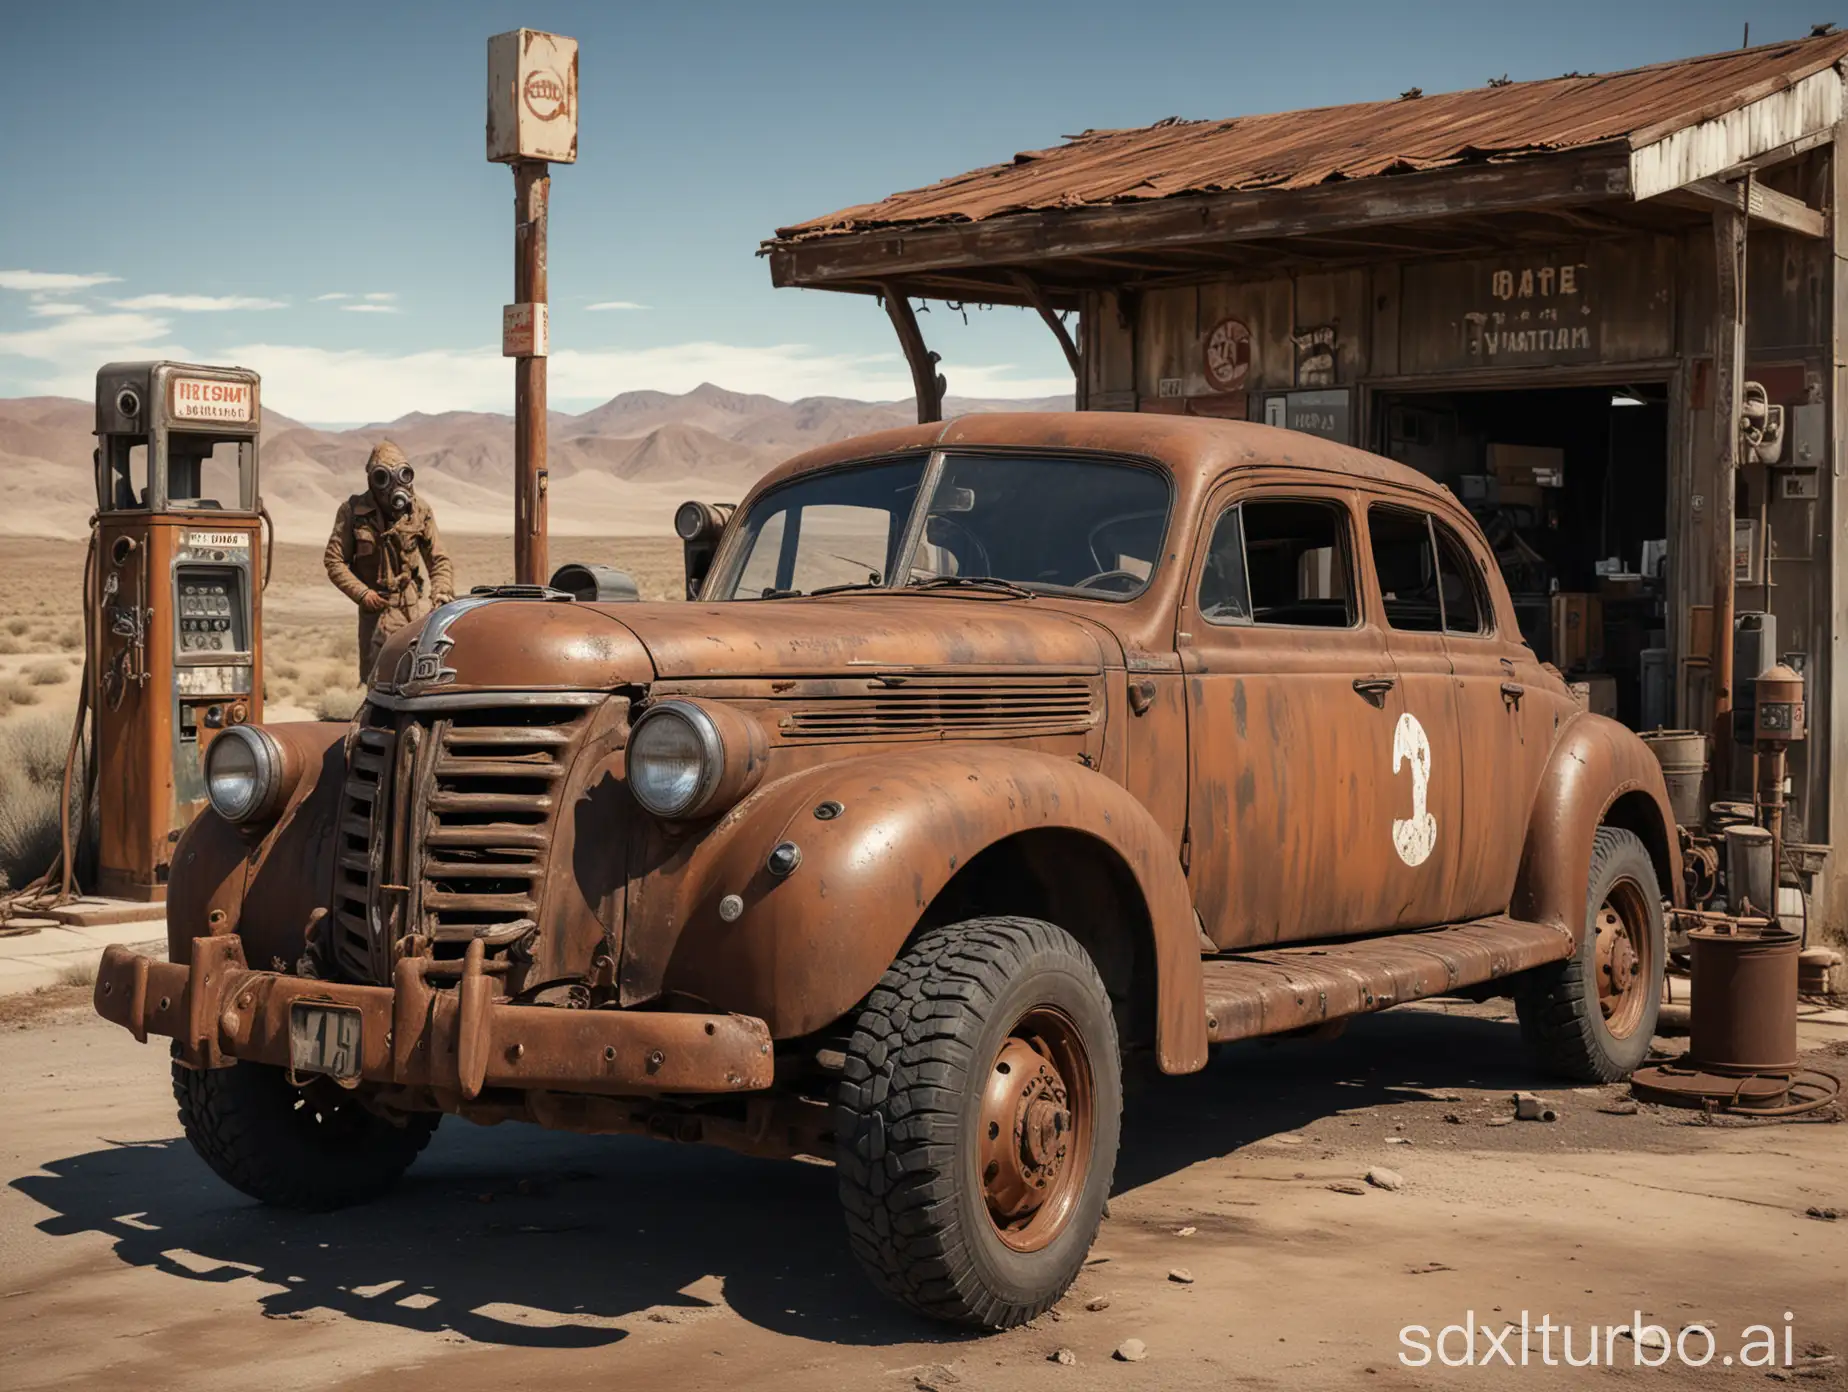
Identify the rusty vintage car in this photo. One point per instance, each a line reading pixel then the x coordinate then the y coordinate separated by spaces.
pixel 989 758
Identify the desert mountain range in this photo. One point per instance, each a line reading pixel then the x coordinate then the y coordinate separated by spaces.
pixel 619 469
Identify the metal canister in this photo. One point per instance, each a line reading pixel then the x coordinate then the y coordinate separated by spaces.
pixel 1744 1018
pixel 1778 714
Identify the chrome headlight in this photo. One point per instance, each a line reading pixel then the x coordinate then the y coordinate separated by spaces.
pixel 676 759
pixel 243 774
pixel 694 759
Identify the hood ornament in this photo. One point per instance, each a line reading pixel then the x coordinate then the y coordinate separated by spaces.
pixel 421 665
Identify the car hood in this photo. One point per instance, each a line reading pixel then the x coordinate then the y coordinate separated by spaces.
pixel 502 644
pixel 831 634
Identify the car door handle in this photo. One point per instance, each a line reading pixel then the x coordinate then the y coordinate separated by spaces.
pixel 1375 688
pixel 1512 692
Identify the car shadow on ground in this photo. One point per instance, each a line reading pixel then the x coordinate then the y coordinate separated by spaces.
pixel 515 1236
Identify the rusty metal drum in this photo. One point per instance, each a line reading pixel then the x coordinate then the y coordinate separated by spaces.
pixel 1745 994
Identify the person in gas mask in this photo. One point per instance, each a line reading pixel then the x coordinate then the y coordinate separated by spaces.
pixel 385 554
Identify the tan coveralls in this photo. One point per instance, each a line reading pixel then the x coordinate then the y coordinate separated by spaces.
pixel 404 562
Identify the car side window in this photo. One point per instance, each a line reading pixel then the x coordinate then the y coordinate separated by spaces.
pixel 1465 610
pixel 1406 563
pixel 1299 563
pixel 1225 597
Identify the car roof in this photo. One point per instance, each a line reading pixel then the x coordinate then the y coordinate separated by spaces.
pixel 1194 448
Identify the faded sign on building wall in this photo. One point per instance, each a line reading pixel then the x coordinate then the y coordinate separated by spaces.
pixel 1315 356
pixel 1608 302
pixel 1324 413
pixel 1228 355
pixel 1538 311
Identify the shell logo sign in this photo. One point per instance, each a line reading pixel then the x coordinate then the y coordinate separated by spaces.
pixel 532 97
pixel 545 95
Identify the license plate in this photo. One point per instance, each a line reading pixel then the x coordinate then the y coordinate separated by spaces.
pixel 324 1039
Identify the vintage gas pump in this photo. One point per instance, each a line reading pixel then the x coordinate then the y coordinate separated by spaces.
pixel 176 600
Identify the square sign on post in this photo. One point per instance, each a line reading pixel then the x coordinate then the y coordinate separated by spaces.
pixel 532 97
pixel 524 331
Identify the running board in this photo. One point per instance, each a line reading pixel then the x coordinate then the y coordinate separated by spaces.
pixel 1288 988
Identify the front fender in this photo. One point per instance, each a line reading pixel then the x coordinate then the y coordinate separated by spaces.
pixel 263 883
pixel 1599 774
pixel 807 947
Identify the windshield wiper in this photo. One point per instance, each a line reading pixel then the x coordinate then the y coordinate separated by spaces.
pixel 850 585
pixel 972 582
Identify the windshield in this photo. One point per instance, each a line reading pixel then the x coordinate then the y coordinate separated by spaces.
pixel 1039 522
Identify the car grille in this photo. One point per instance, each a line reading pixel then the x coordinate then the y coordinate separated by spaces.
pixel 968 706
pixel 445 829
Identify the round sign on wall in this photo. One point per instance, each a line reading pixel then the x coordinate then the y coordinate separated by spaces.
pixel 1228 355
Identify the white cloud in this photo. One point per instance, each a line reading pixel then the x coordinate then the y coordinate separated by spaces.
pixel 616 304
pixel 71 347
pixel 199 304
pixel 370 308
pixel 382 295
pixel 40 281
pixel 334 295
pixel 319 384
pixel 58 352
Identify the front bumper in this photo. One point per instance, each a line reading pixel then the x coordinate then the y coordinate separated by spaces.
pixel 415 1034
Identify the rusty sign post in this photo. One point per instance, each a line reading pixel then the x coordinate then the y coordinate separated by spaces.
pixel 532 123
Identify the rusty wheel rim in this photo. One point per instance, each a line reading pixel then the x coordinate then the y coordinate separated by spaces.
pixel 1036 1122
pixel 1624 958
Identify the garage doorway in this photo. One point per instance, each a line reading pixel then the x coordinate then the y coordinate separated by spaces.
pixel 1570 485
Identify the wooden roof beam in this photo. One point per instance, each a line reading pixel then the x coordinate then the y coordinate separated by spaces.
pixel 1595 174
pixel 1760 204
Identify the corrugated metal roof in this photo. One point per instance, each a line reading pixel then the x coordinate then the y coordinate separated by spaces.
pixel 1298 149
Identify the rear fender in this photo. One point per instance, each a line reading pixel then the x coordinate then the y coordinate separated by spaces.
pixel 1600 774
pixel 262 883
pixel 807 947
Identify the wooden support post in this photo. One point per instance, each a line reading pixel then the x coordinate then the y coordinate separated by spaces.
pixel 1037 298
pixel 532 191
pixel 926 382
pixel 1728 386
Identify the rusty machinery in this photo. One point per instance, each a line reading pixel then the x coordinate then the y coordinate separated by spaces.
pixel 1742 1047
pixel 174 608
pixel 1742 1053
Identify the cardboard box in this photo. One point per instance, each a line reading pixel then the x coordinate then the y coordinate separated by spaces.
pixel 1597 693
pixel 1578 630
pixel 1539 465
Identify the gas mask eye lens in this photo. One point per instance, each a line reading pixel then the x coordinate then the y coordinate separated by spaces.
pixel 407 476
pixel 381 477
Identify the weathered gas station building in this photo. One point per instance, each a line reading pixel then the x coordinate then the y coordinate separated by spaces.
pixel 1549 295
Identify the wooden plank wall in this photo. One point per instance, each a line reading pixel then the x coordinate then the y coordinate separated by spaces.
pixel 1641 299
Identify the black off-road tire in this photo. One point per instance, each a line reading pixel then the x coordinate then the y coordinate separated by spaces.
pixel 313 1148
pixel 1558 1005
pixel 909 1106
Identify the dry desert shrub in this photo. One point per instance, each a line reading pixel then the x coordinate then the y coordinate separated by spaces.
pixel 18 625
pixel 70 636
pixel 339 703
pixel 18 693
pixel 9 644
pixel 31 778
pixel 48 673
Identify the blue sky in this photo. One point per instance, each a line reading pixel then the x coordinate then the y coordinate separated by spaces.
pixel 302 187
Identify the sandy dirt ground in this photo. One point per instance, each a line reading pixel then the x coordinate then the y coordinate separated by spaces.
pixel 513 1258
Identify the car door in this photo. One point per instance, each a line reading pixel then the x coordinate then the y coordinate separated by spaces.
pixel 1292 701
pixel 1506 735
pixel 1429 833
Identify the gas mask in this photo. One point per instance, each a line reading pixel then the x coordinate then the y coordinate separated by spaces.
pixel 391 487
